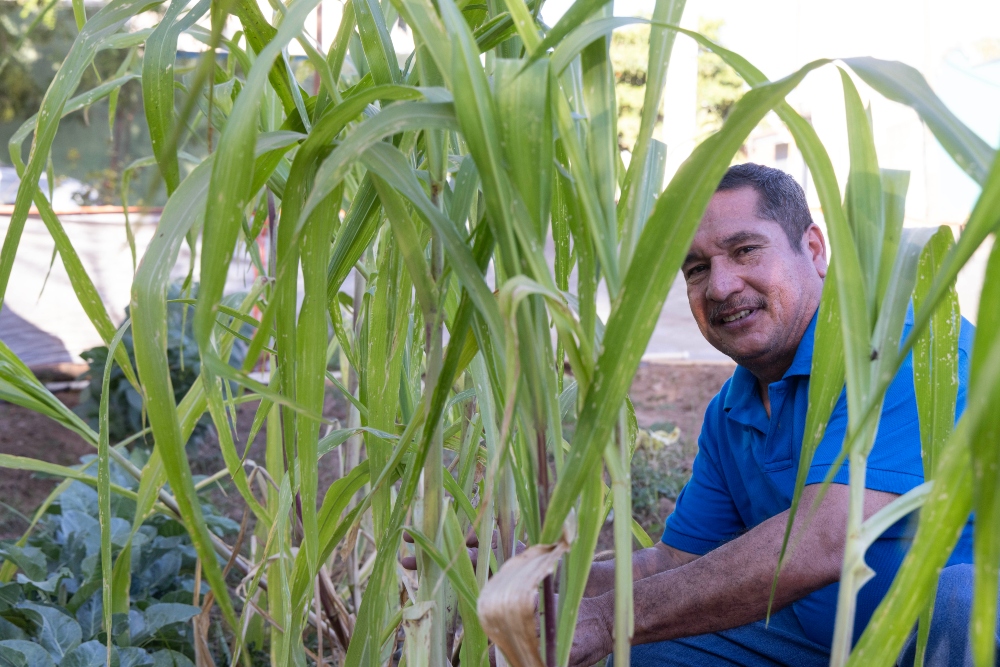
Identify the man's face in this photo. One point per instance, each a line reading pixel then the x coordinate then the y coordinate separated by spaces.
pixel 751 293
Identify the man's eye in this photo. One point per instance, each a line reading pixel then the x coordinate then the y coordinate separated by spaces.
pixel 746 250
pixel 694 270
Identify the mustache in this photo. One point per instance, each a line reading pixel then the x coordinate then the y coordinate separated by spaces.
pixel 737 304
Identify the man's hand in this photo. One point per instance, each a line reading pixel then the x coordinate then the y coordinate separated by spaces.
pixel 471 543
pixel 592 640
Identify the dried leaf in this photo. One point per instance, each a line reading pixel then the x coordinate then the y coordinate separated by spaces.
pixel 507 603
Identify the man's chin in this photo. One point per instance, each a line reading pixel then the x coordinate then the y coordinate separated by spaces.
pixel 743 354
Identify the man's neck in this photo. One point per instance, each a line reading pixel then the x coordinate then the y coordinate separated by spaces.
pixel 765 397
pixel 767 371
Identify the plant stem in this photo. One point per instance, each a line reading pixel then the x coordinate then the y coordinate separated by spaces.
pixel 548 591
pixel 433 502
pixel 853 574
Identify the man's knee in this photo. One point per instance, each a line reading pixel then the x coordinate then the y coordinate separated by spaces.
pixel 954 593
pixel 948 642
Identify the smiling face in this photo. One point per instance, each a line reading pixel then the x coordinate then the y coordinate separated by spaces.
pixel 751 293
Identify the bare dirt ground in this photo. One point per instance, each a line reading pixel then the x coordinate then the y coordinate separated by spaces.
pixel 27 433
pixel 663 394
pixel 677 394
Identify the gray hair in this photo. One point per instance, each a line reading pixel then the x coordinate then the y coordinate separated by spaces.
pixel 779 198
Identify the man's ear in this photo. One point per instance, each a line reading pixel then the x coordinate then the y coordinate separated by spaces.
pixel 815 247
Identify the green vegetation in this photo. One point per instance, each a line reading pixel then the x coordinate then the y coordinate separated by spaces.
pixel 437 179
pixel 659 472
pixel 126 413
pixel 53 612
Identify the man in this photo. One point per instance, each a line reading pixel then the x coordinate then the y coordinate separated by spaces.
pixel 754 277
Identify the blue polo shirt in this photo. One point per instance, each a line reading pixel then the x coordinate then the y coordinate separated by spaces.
pixel 746 466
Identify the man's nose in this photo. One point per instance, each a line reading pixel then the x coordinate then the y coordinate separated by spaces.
pixel 723 280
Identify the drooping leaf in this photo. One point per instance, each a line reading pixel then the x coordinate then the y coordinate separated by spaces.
pixel 57 632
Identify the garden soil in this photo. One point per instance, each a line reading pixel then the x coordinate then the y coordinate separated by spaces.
pixel 663 394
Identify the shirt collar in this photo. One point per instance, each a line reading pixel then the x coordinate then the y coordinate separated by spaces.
pixel 802 362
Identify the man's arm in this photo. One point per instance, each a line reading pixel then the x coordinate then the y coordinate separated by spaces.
pixel 731 585
pixel 645 563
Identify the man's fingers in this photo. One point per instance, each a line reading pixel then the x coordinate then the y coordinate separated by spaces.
pixel 472 539
pixel 410 562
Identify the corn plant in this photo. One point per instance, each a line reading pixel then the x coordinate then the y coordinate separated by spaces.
pixel 437 179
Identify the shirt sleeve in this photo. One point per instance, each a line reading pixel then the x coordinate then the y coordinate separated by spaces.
pixel 895 464
pixel 705 515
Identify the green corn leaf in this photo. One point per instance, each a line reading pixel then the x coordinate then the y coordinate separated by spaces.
pixel 408 241
pixel 598 80
pixel 495 31
pixel 935 379
pixel 183 211
pixel 336 55
pixel 951 501
pixel 423 17
pixel 826 382
pixel 159 53
pixel 578 12
pixel 524 23
pixel 12 462
pixel 336 438
pixel 570 47
pixel 390 165
pixel 379 51
pixel 311 363
pixel 642 183
pixel 916 581
pixel 232 174
pixel 902 83
pixel 986 500
pixel 863 199
pixel 526 133
pixel 81 282
pixel 395 118
pixel 19 385
pixel 449 565
pixel 124 67
pixel 858 443
pixel 475 108
pixel 894 186
pixel 935 368
pixel 104 485
pixel 358 230
pixel 259 34
pixel 577 563
pixel 475 649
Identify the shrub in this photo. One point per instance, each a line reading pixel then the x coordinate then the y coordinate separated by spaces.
pixel 126 413
pixel 659 470
pixel 52 612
